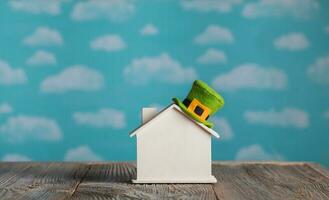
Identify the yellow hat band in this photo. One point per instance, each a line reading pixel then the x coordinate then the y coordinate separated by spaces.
pixel 201 111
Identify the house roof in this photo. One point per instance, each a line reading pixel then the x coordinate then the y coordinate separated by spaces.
pixel 170 107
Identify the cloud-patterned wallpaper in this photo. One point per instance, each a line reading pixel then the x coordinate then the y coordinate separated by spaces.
pixel 74 75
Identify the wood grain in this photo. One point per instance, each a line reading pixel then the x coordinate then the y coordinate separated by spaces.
pixel 269 181
pixel 236 180
pixel 113 181
pixel 39 180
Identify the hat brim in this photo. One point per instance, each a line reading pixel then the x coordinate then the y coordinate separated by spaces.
pixel 192 115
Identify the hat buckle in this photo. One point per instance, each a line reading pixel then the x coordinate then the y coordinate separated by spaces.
pixel 201 111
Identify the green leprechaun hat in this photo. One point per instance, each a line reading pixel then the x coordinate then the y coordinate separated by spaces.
pixel 201 102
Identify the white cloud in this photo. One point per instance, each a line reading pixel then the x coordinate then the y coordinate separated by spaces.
pixel 287 117
pixel 113 10
pixel 157 106
pixel 41 58
pixel 212 56
pixel 300 9
pixel 108 43
pixel 256 152
pixel 326 29
pixel 11 76
pixel 82 153
pixel 319 71
pixel 214 34
pixel 13 157
pixel 74 78
pixel 223 127
pixel 20 128
pixel 326 114
pixel 51 7
pixel 44 36
pixel 251 76
pixel 149 29
pixel 5 108
pixel 161 68
pixel 221 6
pixel 292 42
pixel 105 117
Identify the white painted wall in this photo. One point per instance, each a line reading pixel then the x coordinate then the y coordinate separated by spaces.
pixel 172 149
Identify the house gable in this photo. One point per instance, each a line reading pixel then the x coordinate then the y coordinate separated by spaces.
pixel 174 107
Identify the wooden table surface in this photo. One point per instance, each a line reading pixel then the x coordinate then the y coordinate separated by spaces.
pixel 236 180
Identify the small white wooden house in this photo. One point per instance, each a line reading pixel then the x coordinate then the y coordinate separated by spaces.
pixel 173 148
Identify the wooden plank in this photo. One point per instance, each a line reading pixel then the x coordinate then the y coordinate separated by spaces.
pixel 39 180
pixel 319 168
pixel 269 181
pixel 113 181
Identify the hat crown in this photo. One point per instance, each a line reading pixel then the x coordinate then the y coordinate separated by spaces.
pixel 201 102
pixel 206 95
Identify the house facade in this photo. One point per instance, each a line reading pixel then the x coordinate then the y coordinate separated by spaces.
pixel 173 148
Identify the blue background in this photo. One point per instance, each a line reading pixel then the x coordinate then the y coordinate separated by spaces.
pixel 175 27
